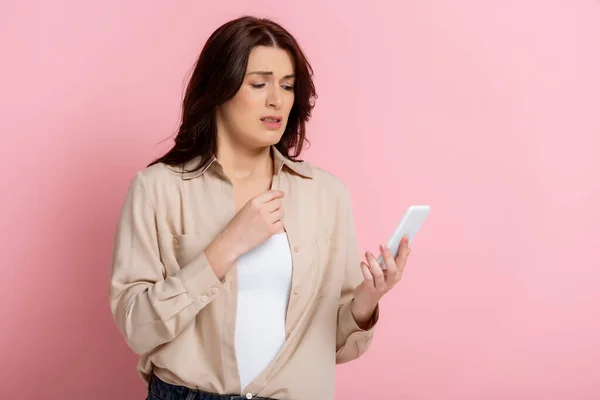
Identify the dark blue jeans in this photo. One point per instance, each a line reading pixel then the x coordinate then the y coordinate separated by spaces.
pixel 159 390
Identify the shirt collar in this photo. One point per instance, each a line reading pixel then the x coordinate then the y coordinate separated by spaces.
pixel 300 168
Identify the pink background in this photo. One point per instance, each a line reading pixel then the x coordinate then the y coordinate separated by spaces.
pixel 488 111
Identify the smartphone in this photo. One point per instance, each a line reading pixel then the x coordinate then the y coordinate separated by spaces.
pixel 411 222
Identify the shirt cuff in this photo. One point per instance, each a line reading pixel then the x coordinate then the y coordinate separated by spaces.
pixel 200 280
pixel 347 324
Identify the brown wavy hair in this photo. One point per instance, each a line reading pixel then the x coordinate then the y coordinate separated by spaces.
pixel 218 75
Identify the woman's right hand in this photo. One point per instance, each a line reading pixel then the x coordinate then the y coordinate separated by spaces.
pixel 259 219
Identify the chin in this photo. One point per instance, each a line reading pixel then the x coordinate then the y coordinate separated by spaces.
pixel 269 138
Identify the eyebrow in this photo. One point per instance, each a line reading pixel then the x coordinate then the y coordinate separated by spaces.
pixel 270 73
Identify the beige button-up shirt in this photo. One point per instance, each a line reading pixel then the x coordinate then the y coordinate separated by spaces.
pixel 179 317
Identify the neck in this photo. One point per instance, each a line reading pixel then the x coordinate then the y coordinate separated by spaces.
pixel 240 163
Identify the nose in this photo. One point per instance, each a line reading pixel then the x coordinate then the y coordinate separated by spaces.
pixel 274 99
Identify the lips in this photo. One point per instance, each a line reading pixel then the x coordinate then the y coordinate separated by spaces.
pixel 272 122
pixel 271 118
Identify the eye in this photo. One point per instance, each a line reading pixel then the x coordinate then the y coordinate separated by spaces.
pixel 258 85
pixel 289 88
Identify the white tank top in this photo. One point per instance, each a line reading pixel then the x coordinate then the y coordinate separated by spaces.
pixel 264 282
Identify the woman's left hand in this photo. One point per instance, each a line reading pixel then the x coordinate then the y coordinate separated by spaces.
pixel 378 281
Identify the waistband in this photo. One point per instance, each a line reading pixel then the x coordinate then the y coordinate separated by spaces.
pixel 167 391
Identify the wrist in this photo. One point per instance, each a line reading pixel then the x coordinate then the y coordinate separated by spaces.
pixel 363 314
pixel 221 256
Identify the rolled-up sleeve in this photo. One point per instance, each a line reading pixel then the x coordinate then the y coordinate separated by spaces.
pixel 150 308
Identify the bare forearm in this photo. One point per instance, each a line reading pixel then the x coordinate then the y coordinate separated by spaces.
pixel 220 255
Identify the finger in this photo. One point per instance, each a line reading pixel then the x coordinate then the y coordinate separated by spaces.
pixel 279 226
pixel 402 256
pixel 275 216
pixel 273 205
pixel 376 271
pixel 388 259
pixel 270 195
pixel 367 274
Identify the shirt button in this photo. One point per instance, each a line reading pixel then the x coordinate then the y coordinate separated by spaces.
pixel 249 395
pixel 204 298
pixel 215 290
pixel 296 290
pixel 296 248
pixel 175 241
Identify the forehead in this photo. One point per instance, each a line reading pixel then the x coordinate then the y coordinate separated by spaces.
pixel 271 59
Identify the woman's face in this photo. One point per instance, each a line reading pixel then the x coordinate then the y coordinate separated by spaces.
pixel 258 113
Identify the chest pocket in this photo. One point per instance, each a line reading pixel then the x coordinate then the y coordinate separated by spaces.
pixel 179 250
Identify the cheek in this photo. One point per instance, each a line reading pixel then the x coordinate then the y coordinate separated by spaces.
pixel 251 103
pixel 243 107
pixel 289 103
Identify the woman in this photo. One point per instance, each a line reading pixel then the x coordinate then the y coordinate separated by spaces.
pixel 236 271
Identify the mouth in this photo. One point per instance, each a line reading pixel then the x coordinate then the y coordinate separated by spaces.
pixel 272 122
pixel 271 119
